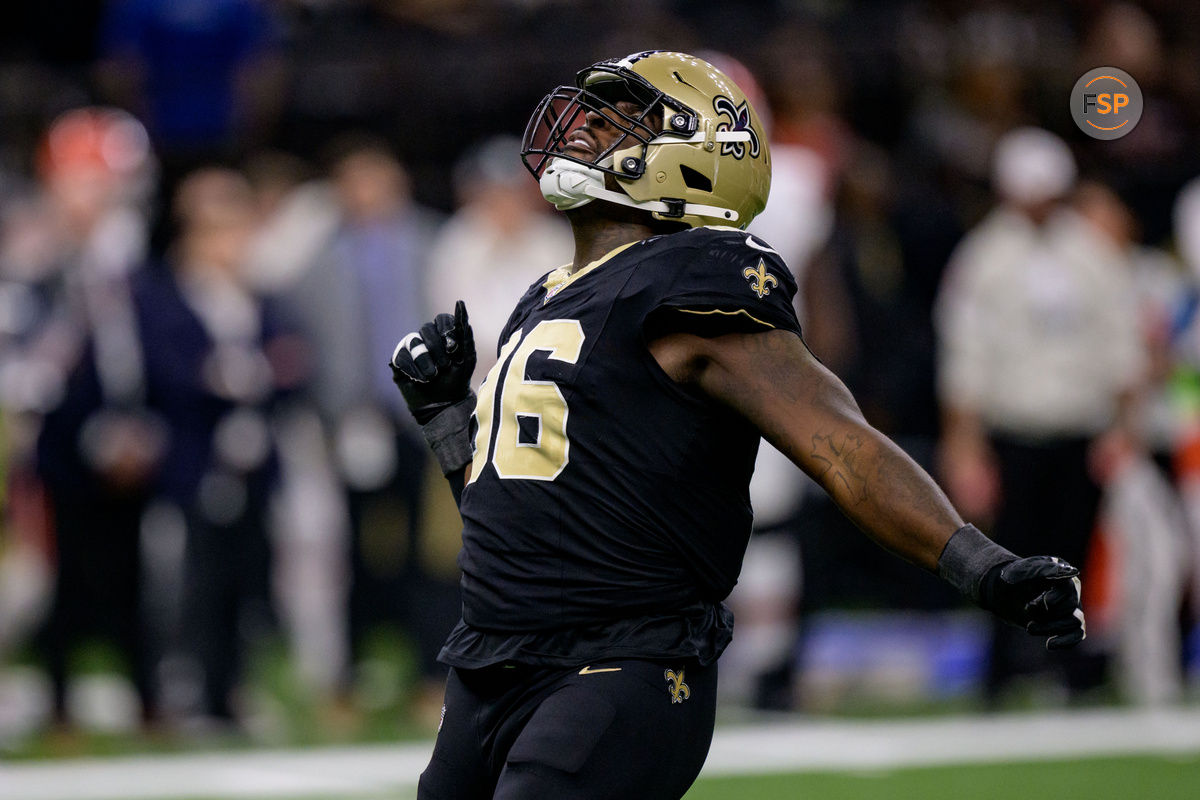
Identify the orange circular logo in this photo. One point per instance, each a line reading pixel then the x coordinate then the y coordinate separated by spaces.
pixel 1106 103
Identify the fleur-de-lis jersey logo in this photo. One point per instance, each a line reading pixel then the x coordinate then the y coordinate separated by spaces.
pixel 678 689
pixel 761 281
pixel 739 120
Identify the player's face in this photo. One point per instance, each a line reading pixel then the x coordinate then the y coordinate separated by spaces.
pixel 589 125
pixel 600 131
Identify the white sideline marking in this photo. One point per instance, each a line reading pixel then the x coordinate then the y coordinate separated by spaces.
pixel 791 746
pixel 348 772
pixel 837 745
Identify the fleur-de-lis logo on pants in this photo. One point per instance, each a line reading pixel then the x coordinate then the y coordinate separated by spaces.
pixel 678 689
pixel 761 281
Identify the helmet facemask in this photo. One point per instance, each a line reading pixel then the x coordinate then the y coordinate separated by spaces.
pixel 565 109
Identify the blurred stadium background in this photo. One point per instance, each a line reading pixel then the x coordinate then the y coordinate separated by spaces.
pixel 220 536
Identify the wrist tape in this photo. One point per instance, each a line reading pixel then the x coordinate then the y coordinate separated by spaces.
pixel 449 436
pixel 967 557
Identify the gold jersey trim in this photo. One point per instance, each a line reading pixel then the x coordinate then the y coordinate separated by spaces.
pixel 729 314
pixel 562 277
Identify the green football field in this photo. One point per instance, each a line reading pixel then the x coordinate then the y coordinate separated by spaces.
pixel 1094 779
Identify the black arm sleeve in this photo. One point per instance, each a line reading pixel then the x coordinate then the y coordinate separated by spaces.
pixel 457 479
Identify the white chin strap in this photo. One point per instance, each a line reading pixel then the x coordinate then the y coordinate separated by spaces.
pixel 565 183
pixel 568 184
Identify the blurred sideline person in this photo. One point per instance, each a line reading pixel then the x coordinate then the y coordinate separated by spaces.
pixel 219 361
pixel 76 356
pixel 1187 385
pixel 487 252
pixel 1142 521
pixel 605 495
pixel 1040 359
pixel 365 287
pixel 299 214
pixel 1154 676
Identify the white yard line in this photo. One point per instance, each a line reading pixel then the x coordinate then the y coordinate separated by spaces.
pixel 789 746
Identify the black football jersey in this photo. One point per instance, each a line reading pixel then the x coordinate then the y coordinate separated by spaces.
pixel 608 507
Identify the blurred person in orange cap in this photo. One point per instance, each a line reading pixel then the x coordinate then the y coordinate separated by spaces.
pixel 71 343
pixel 79 223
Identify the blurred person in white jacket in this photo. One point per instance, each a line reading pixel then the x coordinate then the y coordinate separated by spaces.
pixel 499 240
pixel 1040 355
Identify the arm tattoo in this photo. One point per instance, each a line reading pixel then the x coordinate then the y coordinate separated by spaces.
pixel 840 462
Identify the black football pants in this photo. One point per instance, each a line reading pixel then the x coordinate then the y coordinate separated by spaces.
pixel 616 729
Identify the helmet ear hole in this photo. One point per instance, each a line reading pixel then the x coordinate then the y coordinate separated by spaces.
pixel 694 179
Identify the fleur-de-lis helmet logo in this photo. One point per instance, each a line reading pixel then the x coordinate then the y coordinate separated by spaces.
pixel 739 120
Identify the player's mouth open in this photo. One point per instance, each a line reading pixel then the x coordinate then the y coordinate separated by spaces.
pixel 581 140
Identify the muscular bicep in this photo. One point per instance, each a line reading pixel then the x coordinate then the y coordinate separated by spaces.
pixel 773 381
pixel 806 412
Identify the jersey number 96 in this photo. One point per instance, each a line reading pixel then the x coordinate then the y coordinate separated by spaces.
pixel 528 440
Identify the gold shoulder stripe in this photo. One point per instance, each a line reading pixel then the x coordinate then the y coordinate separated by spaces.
pixel 729 314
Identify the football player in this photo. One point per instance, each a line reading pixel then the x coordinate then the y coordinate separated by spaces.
pixel 602 473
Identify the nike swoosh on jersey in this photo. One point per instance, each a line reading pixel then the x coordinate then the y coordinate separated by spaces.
pixel 751 243
pixel 589 671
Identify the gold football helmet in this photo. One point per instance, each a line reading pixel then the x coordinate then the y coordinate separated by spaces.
pixel 694 153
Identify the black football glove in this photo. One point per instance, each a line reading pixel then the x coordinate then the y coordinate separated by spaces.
pixel 433 367
pixel 1040 594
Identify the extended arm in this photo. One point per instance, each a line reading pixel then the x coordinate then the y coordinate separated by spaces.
pixel 808 414
pixel 772 380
